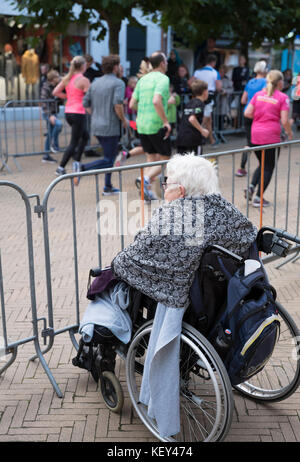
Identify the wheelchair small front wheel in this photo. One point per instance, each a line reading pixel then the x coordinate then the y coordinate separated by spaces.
pixel 111 391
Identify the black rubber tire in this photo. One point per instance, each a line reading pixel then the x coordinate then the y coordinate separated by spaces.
pixel 111 391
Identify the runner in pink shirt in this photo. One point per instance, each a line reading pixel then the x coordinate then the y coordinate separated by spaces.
pixel 269 109
pixel 73 88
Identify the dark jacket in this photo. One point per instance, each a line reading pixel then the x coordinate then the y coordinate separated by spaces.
pixel 49 107
pixel 91 73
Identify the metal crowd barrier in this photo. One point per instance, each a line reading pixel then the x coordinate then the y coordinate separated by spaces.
pixel 24 130
pixel 72 243
pixel 232 120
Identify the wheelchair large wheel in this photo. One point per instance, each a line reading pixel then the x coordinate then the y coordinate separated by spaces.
pixel 281 375
pixel 206 402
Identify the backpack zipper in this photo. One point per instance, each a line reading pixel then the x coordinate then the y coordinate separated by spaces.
pixel 248 315
pixel 258 331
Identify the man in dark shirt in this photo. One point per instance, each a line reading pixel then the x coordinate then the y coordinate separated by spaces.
pixel 191 133
pixel 240 75
pixel 90 72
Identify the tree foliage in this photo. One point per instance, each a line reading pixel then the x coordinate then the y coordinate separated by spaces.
pixel 101 15
pixel 247 21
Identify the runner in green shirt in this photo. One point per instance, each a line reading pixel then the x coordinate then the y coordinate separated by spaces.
pixel 148 121
pixel 150 98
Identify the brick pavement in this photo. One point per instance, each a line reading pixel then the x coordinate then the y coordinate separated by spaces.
pixel 29 407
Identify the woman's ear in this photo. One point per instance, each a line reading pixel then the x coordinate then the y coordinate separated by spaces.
pixel 182 190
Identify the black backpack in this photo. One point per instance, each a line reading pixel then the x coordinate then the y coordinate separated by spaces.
pixel 244 325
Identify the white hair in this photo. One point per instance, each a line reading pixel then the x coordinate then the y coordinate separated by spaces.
pixel 260 67
pixel 197 174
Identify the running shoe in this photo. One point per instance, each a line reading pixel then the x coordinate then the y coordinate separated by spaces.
pixel 256 202
pixel 148 193
pixel 49 160
pixel 250 191
pixel 76 169
pixel 241 172
pixel 121 158
pixel 110 190
pixel 60 171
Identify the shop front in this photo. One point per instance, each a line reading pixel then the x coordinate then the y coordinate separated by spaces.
pixel 27 53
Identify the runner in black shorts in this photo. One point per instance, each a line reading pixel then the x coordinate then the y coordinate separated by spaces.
pixel 150 97
pixel 157 144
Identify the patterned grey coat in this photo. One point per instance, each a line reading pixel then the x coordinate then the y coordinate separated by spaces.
pixel 165 254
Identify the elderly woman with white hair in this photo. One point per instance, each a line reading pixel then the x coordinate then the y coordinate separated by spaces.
pixel 161 263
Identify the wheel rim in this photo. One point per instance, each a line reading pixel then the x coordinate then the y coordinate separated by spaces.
pixel 203 396
pixel 108 392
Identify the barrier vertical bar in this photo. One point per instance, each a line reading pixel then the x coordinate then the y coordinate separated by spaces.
pixel 248 182
pixel 121 211
pixel 2 304
pixel 32 128
pixel 262 172
pixel 288 188
pixel 98 221
pixel 16 140
pixel 275 186
pixel 298 207
pixel 233 178
pixel 24 129
pixel 41 127
pixel 75 251
pixel 142 199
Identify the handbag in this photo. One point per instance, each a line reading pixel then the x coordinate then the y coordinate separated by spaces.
pixel 104 278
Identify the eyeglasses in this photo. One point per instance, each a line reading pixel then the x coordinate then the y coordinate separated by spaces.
pixel 165 184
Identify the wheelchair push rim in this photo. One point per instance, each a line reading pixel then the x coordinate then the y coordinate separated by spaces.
pixel 206 401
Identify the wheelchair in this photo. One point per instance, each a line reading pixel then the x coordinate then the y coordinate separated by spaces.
pixel 206 393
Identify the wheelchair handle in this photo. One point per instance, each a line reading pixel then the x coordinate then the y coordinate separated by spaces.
pixel 280 233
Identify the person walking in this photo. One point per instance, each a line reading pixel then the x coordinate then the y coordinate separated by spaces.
pixel 75 86
pixel 50 110
pixel 269 109
pixel 191 133
pixel 212 77
pixel 224 98
pixel 104 101
pixel 253 86
pixel 240 74
pixel 150 98
pixel 91 73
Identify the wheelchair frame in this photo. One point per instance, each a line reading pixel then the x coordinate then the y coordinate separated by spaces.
pixel 204 419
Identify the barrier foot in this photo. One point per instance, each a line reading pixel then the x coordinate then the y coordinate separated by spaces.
pixel 10 361
pixel 48 348
pixel 73 339
pixel 47 370
pixel 292 260
pixel 17 164
pixel 4 165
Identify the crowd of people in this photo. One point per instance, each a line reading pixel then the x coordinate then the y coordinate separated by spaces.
pixel 167 110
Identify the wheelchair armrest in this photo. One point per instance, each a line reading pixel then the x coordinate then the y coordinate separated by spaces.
pixel 94 272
